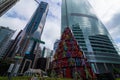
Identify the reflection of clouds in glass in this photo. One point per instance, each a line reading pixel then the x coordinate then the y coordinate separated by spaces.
pixel 77 2
pixel 92 11
pixel 30 47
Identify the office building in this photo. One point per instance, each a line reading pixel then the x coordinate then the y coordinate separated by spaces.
pixel 41 64
pixel 46 52
pixel 10 53
pixel 26 46
pixel 56 44
pixel 5 5
pixel 31 36
pixel 91 35
pixel 5 37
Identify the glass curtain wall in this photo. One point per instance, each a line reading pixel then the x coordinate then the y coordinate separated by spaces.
pixel 92 36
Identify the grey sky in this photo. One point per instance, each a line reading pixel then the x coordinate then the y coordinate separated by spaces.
pixel 18 16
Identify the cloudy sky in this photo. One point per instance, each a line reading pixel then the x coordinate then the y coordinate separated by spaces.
pixel 18 16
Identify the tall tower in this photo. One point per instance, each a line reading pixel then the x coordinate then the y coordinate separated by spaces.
pixel 5 36
pixel 5 5
pixel 56 44
pixel 33 29
pixel 91 35
pixel 28 45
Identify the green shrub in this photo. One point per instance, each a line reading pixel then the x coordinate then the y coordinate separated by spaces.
pixel 27 78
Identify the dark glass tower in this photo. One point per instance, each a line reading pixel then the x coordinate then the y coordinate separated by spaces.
pixel 33 29
pixel 27 45
pixel 91 35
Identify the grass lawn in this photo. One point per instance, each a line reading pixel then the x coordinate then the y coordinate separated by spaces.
pixel 15 78
pixel 28 78
pixel 118 79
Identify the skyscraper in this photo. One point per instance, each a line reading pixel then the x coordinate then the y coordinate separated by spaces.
pixel 5 5
pixel 56 44
pixel 33 30
pixel 13 46
pixel 28 44
pixel 91 35
pixel 5 36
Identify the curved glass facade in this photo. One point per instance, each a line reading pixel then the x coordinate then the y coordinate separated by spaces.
pixel 91 34
pixel 80 12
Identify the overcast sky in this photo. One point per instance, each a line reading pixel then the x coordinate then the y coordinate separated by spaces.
pixel 18 16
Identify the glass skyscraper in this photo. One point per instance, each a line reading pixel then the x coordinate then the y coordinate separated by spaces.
pixel 26 46
pixel 91 35
pixel 33 30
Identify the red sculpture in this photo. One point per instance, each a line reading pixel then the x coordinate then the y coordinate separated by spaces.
pixel 69 60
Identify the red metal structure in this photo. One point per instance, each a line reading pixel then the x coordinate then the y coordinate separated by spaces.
pixel 69 61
